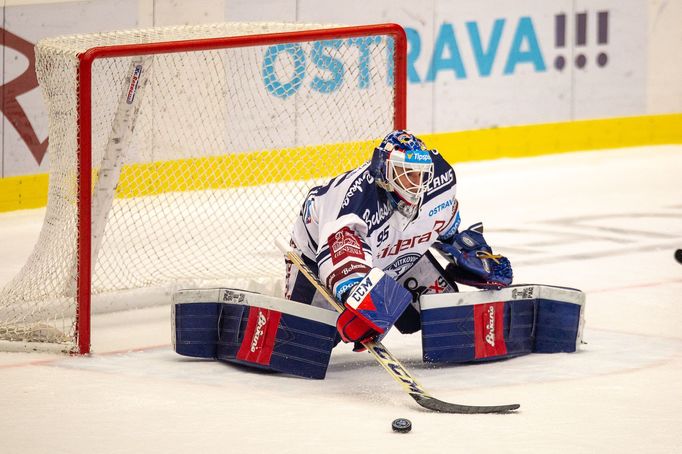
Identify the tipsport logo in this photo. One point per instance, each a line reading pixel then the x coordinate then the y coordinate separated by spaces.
pixel 417 157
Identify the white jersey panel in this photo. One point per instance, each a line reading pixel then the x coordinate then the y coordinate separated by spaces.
pixel 349 226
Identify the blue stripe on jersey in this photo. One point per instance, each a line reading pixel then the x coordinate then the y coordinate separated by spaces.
pixel 311 242
pixel 323 256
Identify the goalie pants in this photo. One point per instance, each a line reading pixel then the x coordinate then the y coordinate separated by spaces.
pixel 298 288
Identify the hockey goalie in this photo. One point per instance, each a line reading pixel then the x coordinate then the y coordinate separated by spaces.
pixel 385 239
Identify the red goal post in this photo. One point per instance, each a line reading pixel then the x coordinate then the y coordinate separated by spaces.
pixel 254 150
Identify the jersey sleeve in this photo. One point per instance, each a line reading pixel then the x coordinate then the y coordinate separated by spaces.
pixel 447 233
pixel 444 187
pixel 344 256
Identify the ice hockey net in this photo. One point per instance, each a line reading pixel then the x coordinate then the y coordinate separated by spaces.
pixel 177 155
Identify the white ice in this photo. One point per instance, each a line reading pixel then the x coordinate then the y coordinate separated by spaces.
pixel 606 222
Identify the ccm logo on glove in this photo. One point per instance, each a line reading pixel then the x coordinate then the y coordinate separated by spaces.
pixel 356 297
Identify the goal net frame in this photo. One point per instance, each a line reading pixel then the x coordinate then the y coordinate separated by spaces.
pixel 84 185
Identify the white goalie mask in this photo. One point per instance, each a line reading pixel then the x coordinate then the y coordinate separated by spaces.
pixel 403 167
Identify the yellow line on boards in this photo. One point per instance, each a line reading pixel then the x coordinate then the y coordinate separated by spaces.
pixel 303 163
pixel 23 192
pixel 552 138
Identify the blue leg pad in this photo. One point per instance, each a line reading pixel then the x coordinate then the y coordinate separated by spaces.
pixel 260 331
pixel 496 324
pixel 558 325
pixel 276 341
pixel 195 329
pixel 461 334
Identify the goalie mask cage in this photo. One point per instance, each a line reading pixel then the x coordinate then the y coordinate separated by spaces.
pixel 179 154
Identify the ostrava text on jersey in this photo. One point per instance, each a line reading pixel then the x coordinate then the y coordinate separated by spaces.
pixel 349 226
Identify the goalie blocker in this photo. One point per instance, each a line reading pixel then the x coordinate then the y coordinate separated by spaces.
pixel 253 330
pixel 495 324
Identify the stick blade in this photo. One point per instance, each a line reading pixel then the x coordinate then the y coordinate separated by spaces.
pixel 434 404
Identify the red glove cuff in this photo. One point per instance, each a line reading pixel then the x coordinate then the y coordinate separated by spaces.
pixel 353 327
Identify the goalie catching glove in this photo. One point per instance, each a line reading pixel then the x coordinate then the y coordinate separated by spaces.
pixel 474 261
pixel 372 307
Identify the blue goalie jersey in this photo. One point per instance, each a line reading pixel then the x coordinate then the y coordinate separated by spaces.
pixel 349 226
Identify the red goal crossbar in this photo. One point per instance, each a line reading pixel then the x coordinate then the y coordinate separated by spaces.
pixel 86 60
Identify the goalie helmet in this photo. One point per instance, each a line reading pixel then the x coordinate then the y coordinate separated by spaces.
pixel 402 166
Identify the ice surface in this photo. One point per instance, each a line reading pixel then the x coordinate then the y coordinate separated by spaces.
pixel 606 222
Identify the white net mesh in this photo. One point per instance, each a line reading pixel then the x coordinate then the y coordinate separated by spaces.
pixel 224 145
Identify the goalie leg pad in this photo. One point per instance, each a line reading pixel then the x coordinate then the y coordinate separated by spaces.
pixel 465 333
pixel 266 332
pixel 487 325
pixel 195 329
pixel 558 326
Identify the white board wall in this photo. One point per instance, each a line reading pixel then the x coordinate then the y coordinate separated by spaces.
pixel 471 65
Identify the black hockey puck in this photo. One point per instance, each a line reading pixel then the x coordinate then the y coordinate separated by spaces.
pixel 401 425
pixel 678 255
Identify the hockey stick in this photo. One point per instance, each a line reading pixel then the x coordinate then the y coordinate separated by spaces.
pixel 389 362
